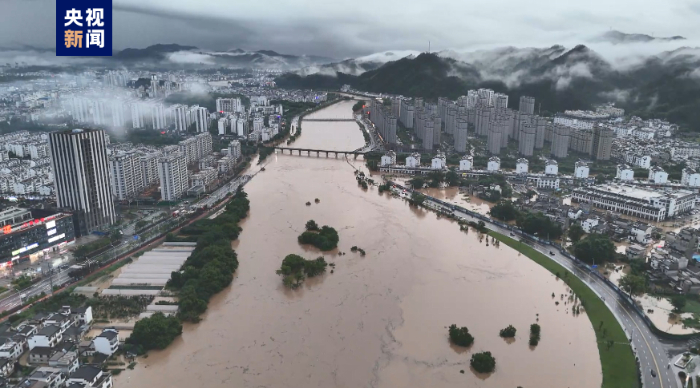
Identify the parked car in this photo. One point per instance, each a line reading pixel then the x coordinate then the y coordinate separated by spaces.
pixel 551 253
pixel 653 373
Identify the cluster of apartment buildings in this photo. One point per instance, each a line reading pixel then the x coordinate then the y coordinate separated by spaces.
pixel 25 164
pixel 487 114
pixel 261 122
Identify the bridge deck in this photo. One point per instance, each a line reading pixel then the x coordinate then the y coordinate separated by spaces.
pixel 309 151
pixel 328 119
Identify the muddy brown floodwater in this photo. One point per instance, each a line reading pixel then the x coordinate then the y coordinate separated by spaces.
pixel 379 320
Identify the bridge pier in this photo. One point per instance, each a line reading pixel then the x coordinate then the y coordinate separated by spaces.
pixel 326 153
pixel 355 156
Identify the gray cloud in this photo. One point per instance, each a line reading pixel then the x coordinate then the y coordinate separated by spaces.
pixel 343 30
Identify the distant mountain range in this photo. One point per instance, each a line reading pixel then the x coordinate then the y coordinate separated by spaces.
pixel 618 37
pixel 666 85
pixel 168 54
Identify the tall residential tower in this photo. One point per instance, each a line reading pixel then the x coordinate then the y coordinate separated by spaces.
pixel 81 169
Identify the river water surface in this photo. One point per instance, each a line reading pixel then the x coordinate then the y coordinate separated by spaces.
pixel 379 320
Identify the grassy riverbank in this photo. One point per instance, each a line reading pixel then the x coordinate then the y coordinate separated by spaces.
pixel 618 362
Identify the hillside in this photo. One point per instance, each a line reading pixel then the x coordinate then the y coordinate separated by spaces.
pixel 664 86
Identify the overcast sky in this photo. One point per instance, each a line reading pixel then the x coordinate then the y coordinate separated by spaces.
pixel 344 29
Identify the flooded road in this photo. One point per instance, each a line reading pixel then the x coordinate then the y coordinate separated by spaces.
pixel 379 320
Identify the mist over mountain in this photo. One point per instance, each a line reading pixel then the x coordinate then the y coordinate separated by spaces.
pixel 666 85
pixel 617 37
pixel 173 54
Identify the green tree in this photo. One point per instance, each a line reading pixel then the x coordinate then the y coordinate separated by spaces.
pixel 483 362
pixel 460 336
pixel 453 178
pixel 358 105
pixel 416 198
pixel 22 282
pixel 324 239
pixel 435 178
pixel 311 225
pixel 678 302
pixel 504 211
pixel 539 224
pixel 575 233
pixel 534 334
pixel 508 332
pixel 155 332
pixel 115 235
pixel 635 284
pixel 295 269
pixel 417 183
pixel 596 248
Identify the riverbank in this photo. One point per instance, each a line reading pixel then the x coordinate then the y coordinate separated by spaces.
pixel 617 361
pixel 377 320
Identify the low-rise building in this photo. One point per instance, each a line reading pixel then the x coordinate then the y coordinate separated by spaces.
pixel 635 251
pixel 581 170
pixel 551 167
pixel 522 166
pixel 588 224
pixel 11 349
pixel 41 355
pixel 690 177
pixel 439 162
pixel 466 163
pixel 65 361
pixel 494 164
pixel 388 159
pixel 7 366
pixel 82 315
pixel 49 336
pixel 658 175
pixel 624 172
pixel 90 377
pixel 548 182
pixel 641 232
pixel 107 342
pixel 649 204
pixel 413 160
pixel 52 377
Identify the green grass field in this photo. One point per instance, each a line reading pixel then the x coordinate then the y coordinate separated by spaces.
pixel 618 362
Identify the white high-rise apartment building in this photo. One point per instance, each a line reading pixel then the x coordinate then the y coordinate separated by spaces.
pixel 222 124
pixel 136 115
pixel 228 105
pixel 118 113
pixel 234 149
pixel 201 118
pixel 81 176
pixel 258 124
pixel 172 172
pixel 241 128
pixel 125 175
pixel 149 168
pixel 180 118
pixel 158 116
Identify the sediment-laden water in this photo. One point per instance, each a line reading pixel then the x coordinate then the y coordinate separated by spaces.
pixel 379 320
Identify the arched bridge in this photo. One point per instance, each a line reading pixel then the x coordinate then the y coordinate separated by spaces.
pixel 309 152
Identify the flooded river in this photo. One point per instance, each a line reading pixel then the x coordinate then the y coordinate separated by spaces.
pixel 379 320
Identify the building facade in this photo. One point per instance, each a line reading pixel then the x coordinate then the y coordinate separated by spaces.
pixel 81 172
